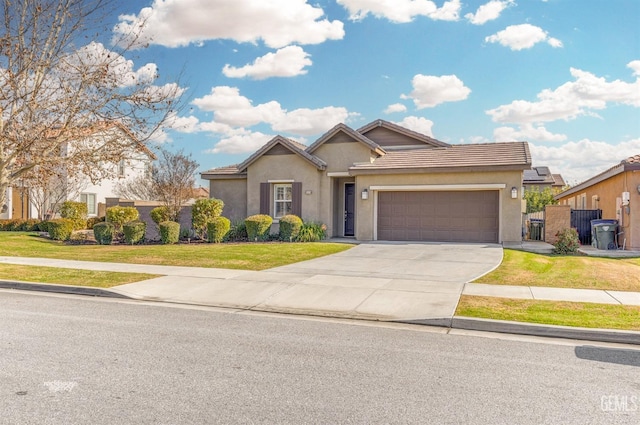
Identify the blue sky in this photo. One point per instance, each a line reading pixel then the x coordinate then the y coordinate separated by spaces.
pixel 563 75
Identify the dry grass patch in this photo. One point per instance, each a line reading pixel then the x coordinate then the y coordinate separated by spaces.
pixel 529 269
pixel 586 315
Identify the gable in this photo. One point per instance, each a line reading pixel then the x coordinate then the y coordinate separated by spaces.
pixel 389 138
pixel 278 150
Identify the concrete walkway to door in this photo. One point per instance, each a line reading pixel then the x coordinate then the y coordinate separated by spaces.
pixel 392 281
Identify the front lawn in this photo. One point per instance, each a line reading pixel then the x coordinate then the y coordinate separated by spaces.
pixel 92 278
pixel 586 315
pixel 245 256
pixel 560 271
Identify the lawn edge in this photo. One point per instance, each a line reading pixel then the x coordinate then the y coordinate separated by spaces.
pixel 544 330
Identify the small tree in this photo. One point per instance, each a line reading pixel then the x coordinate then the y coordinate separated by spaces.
pixel 204 211
pixel 538 199
pixel 174 179
pixel 76 212
pixel 121 215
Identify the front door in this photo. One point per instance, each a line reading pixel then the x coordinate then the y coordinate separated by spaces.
pixel 349 208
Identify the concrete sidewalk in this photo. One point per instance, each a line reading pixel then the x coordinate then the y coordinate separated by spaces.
pixel 410 282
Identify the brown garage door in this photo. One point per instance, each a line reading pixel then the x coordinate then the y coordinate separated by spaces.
pixel 438 216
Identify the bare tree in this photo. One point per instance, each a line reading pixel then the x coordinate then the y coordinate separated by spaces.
pixel 64 105
pixel 142 187
pixel 174 180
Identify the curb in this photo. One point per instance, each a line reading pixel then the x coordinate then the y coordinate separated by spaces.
pixel 60 289
pixel 549 331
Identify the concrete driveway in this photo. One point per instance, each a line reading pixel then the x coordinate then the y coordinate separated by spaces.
pixel 409 282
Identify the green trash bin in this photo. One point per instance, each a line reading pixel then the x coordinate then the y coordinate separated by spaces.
pixel 605 235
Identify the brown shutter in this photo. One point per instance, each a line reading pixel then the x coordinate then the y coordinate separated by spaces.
pixel 296 199
pixel 264 198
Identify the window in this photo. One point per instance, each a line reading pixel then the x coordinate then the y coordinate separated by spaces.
pixel 595 202
pixel 282 200
pixel 90 200
pixel 121 167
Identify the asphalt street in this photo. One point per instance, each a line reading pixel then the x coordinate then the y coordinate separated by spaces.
pixel 75 360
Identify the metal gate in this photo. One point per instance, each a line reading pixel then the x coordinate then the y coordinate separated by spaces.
pixel 581 221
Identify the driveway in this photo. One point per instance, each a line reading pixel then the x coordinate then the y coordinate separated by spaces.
pixel 391 281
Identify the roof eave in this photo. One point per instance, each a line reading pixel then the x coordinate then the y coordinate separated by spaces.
pixel 427 170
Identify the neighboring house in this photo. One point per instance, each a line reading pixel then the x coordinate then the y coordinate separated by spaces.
pixel 382 182
pixel 616 192
pixel 540 178
pixel 29 201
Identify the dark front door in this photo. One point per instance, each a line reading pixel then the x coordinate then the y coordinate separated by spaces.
pixel 349 208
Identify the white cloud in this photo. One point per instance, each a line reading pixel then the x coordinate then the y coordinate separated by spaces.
pixel 401 11
pixel 524 36
pixel 286 62
pixel 429 90
pixel 578 161
pixel 175 23
pixel 308 122
pixel 635 66
pixel 241 143
pixel 527 132
pixel 418 124
pixel 188 124
pixel 396 107
pixel 488 11
pixel 572 99
pixel 231 109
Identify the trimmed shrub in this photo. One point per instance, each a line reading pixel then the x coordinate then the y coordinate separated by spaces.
pixel 92 221
pixel 30 225
pixel 103 232
pixel 169 232
pixel 43 226
pixel 289 227
pixel 203 212
pixel 217 229
pixel 237 233
pixel 120 215
pixel 60 229
pixel 258 226
pixel 76 212
pixel 568 242
pixel 312 232
pixel 134 232
pixel 160 214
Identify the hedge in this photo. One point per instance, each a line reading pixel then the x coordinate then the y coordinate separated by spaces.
pixel 20 225
pixel 92 221
pixel 169 232
pixel 203 212
pixel 134 232
pixel 258 226
pixel 103 232
pixel 76 212
pixel 290 227
pixel 217 229
pixel 61 229
pixel 160 214
pixel 119 215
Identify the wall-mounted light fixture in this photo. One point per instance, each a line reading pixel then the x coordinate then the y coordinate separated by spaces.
pixel 365 194
pixel 514 192
pixel 308 192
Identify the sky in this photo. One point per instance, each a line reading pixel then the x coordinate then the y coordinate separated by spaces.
pixel 563 75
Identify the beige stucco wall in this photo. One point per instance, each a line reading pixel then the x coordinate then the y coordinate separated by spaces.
pixel 510 209
pixel 556 218
pixel 233 192
pixel 341 156
pixel 287 168
pixel 608 192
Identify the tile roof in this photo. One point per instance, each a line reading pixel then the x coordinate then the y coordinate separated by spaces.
pixel 402 130
pixel 558 180
pixel 349 131
pixel 455 156
pixel 632 160
pixel 294 147
pixel 227 169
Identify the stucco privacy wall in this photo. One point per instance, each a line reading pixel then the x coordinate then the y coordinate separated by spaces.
pixel 510 209
pixel 556 218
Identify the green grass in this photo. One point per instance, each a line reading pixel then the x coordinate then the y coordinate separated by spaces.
pixel 245 256
pixel 587 315
pixel 56 275
pixel 529 269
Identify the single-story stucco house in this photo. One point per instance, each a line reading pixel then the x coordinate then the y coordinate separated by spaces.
pixel 383 182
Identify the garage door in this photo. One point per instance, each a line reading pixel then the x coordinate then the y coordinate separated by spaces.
pixel 438 216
